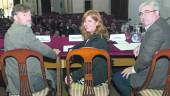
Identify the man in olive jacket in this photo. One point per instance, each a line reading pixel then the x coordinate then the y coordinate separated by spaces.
pixel 156 38
pixel 20 35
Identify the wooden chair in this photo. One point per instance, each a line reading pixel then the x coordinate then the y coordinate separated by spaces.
pixel 21 56
pixel 88 55
pixel 143 91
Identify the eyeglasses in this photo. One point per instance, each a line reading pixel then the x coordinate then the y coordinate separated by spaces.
pixel 146 12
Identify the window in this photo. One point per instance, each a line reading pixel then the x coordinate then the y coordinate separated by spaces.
pixel 88 5
pixel 6 7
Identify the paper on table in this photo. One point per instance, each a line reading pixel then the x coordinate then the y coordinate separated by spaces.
pixel 75 38
pixel 126 46
pixel 43 38
pixel 119 42
pixel 67 47
pixel 118 38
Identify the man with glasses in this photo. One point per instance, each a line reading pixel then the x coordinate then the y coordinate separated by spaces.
pixel 156 38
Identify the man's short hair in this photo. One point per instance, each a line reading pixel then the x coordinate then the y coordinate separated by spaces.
pixel 20 8
pixel 153 3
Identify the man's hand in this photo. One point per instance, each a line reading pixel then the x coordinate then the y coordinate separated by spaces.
pixel 57 51
pixel 126 72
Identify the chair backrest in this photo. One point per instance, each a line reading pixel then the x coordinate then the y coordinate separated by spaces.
pixel 157 56
pixel 21 55
pixel 88 54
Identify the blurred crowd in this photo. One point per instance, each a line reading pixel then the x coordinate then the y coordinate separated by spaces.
pixel 56 24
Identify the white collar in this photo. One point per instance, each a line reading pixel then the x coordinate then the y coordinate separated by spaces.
pixel 146 28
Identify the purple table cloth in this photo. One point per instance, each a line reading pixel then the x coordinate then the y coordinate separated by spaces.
pixel 59 42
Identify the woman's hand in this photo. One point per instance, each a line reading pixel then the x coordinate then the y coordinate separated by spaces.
pixel 70 79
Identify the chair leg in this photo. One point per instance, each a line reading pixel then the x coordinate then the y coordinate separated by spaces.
pixel 64 90
pixel 134 93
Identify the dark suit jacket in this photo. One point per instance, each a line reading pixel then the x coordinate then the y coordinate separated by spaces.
pixel 157 37
pixel 99 64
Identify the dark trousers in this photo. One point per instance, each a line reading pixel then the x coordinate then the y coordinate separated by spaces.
pixel 122 84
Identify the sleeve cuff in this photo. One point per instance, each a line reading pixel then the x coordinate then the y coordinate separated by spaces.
pixel 133 70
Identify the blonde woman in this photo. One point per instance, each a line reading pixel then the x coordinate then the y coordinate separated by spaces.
pixel 95 35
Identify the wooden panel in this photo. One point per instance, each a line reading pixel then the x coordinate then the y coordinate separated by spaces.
pixel 123 61
pixel 63 64
pixel 50 65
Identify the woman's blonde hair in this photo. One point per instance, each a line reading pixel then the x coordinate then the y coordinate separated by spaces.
pixel 100 28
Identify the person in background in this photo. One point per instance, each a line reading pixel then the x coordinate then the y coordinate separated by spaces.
pixel 95 35
pixel 20 35
pixel 75 30
pixel 1 13
pixel 156 38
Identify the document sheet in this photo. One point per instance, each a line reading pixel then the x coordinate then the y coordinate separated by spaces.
pixel 126 46
pixel 43 38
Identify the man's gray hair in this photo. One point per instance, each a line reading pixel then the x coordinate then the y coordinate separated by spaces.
pixel 153 3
